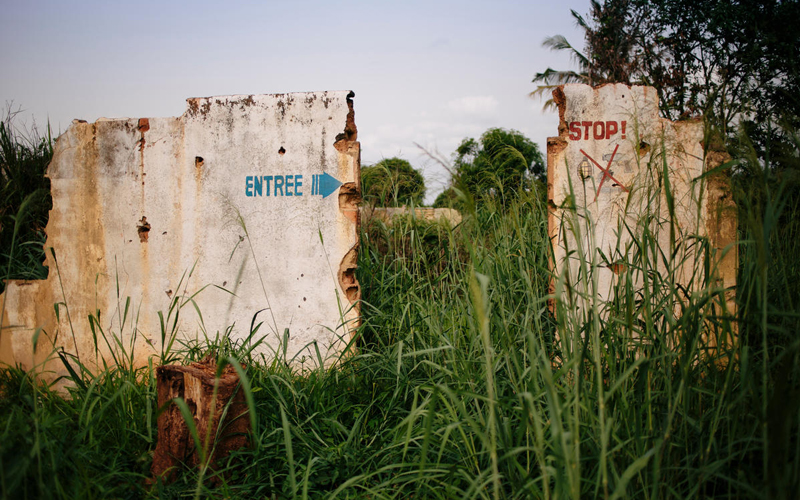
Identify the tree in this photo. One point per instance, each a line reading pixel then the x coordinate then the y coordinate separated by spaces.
pixel 501 163
pixel 551 78
pixel 607 56
pixel 729 61
pixel 736 63
pixel 611 54
pixel 449 198
pixel 392 182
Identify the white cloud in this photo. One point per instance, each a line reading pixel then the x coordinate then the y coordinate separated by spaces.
pixel 474 105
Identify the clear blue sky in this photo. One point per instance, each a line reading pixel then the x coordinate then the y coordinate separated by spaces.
pixel 424 72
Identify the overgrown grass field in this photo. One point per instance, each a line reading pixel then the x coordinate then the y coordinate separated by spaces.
pixel 463 384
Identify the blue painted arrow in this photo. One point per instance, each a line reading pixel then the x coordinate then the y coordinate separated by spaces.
pixel 325 184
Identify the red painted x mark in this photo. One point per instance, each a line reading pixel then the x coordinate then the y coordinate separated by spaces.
pixel 606 172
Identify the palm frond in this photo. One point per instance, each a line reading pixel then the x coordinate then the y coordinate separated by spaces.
pixel 560 42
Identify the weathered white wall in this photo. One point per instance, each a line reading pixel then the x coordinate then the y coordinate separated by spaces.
pixel 620 129
pixel 154 209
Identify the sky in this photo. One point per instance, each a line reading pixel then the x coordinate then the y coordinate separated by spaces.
pixel 426 74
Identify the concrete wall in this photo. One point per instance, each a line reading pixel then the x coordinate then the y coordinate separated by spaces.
pixel 387 214
pixel 609 171
pixel 242 204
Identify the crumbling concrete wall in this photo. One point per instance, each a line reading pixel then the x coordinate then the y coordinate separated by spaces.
pixel 387 214
pixel 617 168
pixel 242 205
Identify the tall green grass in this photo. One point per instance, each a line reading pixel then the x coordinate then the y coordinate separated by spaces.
pixel 24 199
pixel 464 385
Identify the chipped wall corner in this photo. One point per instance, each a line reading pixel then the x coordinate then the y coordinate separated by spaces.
pixel 349 150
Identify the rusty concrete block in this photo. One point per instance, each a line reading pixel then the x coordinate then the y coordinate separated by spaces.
pixel 242 204
pixel 609 172
pixel 218 410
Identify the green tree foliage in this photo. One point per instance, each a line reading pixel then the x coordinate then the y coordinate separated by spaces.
pixel 449 198
pixel 729 61
pixel 735 63
pixel 725 60
pixel 552 78
pixel 501 163
pixel 392 182
pixel 611 54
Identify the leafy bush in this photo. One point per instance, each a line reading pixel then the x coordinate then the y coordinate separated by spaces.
pixel 501 164
pixel 392 182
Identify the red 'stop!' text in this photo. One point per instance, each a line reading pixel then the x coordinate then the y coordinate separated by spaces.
pixel 596 130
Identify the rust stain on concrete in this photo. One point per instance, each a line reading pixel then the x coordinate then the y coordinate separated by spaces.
pixel 144 126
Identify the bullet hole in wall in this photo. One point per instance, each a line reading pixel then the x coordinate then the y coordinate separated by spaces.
pixel 143 228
